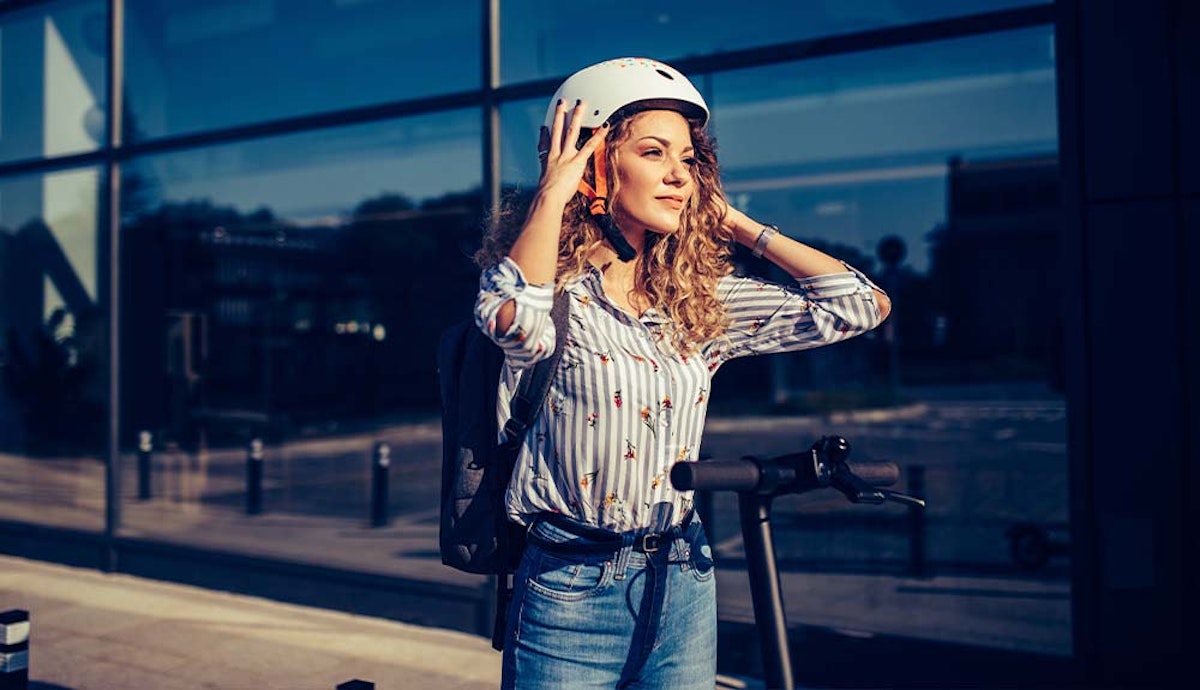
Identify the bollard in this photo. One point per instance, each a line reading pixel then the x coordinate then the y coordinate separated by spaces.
pixel 14 650
pixel 356 684
pixel 254 472
pixel 145 446
pixel 381 460
pixel 917 565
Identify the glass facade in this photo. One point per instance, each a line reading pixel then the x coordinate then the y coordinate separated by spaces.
pixel 291 288
pixel 54 356
pixel 198 64
pixel 537 44
pixel 302 186
pixel 53 71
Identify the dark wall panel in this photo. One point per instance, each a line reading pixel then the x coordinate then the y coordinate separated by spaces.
pixel 1126 98
pixel 1187 39
pixel 1191 346
pixel 1138 439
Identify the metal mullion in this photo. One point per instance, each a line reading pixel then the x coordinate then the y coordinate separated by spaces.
pixel 490 108
pixel 891 37
pixel 18 5
pixel 112 474
pixel 1075 275
pixel 303 123
pixel 42 165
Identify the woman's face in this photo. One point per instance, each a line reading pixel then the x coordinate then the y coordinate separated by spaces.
pixel 654 172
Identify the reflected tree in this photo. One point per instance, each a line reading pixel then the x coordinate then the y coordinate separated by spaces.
pixel 55 376
pixel 417 278
pixel 53 363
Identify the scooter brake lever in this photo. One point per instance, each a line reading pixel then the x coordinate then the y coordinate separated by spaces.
pixel 905 499
pixel 856 490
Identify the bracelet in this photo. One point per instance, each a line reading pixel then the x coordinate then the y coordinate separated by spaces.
pixel 764 237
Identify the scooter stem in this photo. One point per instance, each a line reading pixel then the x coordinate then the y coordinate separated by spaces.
pixel 765 591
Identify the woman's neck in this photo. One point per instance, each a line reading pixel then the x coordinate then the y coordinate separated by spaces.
pixel 620 277
pixel 617 272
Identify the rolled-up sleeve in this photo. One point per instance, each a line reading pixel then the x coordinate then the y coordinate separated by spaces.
pixel 767 317
pixel 530 338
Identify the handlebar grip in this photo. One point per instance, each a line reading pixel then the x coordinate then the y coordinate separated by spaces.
pixel 880 473
pixel 716 475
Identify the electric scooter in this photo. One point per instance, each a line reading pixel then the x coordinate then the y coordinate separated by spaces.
pixel 758 482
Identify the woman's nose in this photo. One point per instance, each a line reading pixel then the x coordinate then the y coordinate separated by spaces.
pixel 677 173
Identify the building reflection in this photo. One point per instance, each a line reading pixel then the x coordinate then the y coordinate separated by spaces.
pixel 247 323
pixel 53 347
pixel 995 288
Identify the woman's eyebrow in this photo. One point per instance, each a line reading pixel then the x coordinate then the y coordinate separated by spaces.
pixel 666 143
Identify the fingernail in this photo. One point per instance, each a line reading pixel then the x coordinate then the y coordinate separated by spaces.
pixel 559 102
pixel 578 102
pixel 605 125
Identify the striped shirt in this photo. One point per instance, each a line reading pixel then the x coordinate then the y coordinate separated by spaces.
pixel 623 407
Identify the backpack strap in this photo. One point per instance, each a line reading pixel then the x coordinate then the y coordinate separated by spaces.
pixel 531 392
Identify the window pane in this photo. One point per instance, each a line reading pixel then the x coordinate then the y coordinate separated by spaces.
pixel 53 75
pixel 519 123
pixel 293 289
pixel 197 65
pixel 934 169
pixel 540 44
pixel 53 361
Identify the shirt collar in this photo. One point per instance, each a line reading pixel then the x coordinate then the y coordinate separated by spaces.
pixel 594 280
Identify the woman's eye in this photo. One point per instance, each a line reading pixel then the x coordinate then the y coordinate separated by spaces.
pixel 652 153
pixel 691 162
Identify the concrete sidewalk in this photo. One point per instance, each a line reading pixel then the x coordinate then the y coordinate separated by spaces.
pixel 97 631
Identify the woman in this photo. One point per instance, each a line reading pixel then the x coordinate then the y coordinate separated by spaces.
pixel 629 224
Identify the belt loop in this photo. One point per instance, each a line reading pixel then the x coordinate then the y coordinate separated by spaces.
pixel 681 542
pixel 679 547
pixel 623 555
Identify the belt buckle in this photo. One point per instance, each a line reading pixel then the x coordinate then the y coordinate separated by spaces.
pixel 650 542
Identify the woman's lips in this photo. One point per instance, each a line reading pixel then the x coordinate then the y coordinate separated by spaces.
pixel 674 202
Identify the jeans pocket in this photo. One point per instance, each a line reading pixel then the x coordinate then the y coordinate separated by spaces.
pixel 569 579
pixel 702 565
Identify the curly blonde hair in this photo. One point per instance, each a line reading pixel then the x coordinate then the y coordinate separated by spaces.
pixel 677 273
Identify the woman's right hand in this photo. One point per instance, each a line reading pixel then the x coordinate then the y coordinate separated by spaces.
pixel 562 164
pixel 535 250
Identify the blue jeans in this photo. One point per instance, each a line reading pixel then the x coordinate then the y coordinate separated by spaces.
pixel 612 619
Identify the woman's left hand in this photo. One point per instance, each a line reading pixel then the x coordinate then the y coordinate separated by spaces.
pixel 736 223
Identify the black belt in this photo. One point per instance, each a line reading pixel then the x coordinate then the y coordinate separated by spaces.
pixel 601 540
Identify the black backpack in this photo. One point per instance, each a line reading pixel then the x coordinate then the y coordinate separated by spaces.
pixel 475 534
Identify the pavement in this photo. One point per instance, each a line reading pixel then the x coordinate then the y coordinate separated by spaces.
pixel 104 631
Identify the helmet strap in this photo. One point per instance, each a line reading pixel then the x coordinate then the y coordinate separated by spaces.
pixel 599 207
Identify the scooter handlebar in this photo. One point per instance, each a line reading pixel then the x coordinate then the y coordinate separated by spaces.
pixel 875 473
pixel 796 470
pixel 716 475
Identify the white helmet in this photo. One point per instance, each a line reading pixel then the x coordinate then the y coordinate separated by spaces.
pixel 608 86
